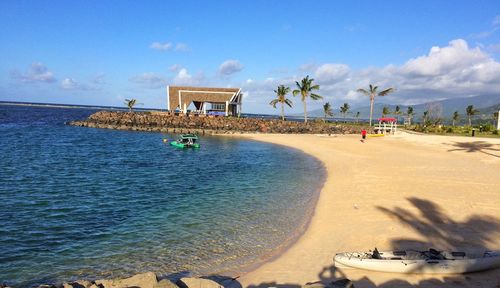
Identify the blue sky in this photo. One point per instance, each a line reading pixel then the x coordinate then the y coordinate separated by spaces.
pixel 101 52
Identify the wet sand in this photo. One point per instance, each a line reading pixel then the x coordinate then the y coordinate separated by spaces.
pixel 399 192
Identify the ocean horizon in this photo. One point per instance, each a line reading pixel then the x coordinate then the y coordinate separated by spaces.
pixel 95 203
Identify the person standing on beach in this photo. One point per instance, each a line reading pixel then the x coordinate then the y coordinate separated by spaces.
pixel 363 135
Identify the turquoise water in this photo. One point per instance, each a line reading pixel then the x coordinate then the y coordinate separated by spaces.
pixel 90 203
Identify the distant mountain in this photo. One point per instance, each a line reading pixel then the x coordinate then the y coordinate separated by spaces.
pixel 486 104
pixel 488 111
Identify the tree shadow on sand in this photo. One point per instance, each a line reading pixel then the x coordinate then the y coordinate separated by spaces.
pixel 334 277
pixel 439 230
pixel 476 146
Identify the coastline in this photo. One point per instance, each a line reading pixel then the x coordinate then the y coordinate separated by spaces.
pixel 293 237
pixel 376 202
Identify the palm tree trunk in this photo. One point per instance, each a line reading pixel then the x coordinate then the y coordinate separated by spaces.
pixel 305 111
pixel 371 109
pixel 453 122
pixel 283 111
pixel 470 122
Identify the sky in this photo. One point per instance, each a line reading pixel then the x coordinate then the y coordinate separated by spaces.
pixel 103 52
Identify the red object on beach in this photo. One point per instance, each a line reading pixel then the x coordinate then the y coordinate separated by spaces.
pixel 387 119
pixel 363 133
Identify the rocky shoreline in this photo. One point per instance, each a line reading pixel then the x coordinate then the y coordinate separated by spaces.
pixel 150 280
pixel 201 124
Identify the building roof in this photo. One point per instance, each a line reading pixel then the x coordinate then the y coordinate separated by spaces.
pixel 188 94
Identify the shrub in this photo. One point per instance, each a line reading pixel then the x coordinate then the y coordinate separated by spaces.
pixel 495 132
pixel 488 128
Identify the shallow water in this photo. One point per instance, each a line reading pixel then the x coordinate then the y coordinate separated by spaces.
pixel 89 203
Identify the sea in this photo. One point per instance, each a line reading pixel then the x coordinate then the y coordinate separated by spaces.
pixel 85 203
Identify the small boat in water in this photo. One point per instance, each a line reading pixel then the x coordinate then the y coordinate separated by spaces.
pixel 186 141
pixel 426 262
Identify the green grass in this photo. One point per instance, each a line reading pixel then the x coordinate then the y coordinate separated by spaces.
pixel 465 131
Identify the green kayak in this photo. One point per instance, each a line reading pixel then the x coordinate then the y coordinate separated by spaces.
pixel 186 141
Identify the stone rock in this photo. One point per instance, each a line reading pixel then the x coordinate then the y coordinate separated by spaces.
pixel 197 283
pixel 317 284
pixel 78 284
pixel 147 121
pixel 145 280
pixel 165 284
pixel 342 283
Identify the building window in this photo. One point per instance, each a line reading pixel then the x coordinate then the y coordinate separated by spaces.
pixel 219 106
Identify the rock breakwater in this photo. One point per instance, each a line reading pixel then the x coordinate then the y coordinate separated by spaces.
pixel 150 280
pixel 201 124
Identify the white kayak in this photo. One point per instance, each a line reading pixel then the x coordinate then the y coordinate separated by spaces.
pixel 429 262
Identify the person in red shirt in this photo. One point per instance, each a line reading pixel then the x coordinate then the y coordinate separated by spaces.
pixel 363 134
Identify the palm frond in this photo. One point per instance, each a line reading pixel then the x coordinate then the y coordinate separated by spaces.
pixel 386 91
pixel 360 90
pixel 295 92
pixel 288 102
pixel 274 102
pixel 316 96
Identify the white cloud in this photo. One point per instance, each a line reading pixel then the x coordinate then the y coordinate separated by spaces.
pixel 99 79
pixel 444 60
pixel 175 67
pixel 161 46
pixel 72 84
pixel 331 73
pixel 182 47
pixel 167 46
pixel 494 48
pixel 184 78
pixel 495 23
pixel 36 73
pixel 150 80
pixel 308 67
pixel 68 84
pixel 451 71
pixel 230 67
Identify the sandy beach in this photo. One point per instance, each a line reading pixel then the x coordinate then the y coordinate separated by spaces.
pixel 399 192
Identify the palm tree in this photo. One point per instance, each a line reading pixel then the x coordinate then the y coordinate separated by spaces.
pixel 281 98
pixel 409 112
pixel 385 111
pixel 130 104
pixel 397 112
pixel 471 111
pixel 455 118
pixel 495 118
pixel 357 117
pixel 425 117
pixel 327 108
pixel 304 89
pixel 372 92
pixel 344 109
